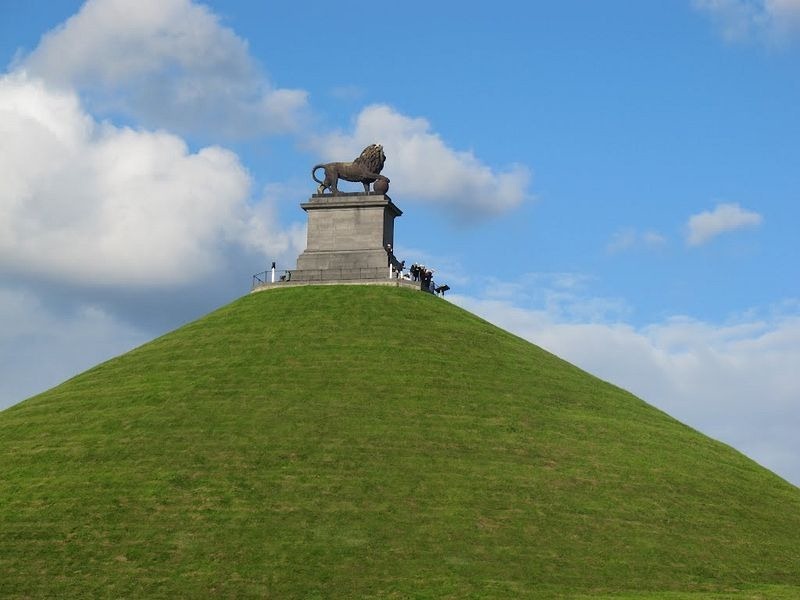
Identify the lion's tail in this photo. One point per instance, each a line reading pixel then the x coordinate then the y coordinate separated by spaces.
pixel 314 173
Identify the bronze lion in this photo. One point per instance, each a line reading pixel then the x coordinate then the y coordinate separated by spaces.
pixel 366 169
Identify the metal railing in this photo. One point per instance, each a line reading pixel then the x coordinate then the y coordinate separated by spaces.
pixel 270 277
pixel 321 275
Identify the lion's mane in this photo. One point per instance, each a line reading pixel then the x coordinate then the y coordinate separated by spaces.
pixel 372 158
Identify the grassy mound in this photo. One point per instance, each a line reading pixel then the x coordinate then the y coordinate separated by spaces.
pixel 373 442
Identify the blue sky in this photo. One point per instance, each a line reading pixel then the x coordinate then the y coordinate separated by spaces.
pixel 617 182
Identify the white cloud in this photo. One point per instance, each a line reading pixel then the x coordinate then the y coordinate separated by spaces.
pixel 421 165
pixel 40 348
pixel 88 202
pixel 707 225
pixel 737 382
pixel 169 63
pixel 261 229
pixel 774 21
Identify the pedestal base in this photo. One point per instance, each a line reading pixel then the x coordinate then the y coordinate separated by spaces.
pixel 350 236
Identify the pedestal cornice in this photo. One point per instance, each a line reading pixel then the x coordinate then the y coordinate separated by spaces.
pixel 350 200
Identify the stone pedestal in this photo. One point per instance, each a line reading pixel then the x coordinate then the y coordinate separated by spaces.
pixel 348 235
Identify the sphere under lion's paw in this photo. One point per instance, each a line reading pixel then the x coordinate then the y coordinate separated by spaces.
pixel 381 186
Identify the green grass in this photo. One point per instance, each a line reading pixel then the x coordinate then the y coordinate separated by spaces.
pixel 374 442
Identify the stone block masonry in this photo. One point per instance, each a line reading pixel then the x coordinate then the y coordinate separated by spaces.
pixel 348 237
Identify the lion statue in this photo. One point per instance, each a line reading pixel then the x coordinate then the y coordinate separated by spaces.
pixel 366 169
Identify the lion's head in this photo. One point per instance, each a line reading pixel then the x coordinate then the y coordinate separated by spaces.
pixel 372 157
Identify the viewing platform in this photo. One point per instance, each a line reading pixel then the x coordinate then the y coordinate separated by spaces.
pixel 262 281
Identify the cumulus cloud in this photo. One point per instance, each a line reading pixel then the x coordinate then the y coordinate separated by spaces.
pixel 261 228
pixel 89 202
pixel 707 225
pixel 769 20
pixel 735 381
pixel 422 166
pixel 168 63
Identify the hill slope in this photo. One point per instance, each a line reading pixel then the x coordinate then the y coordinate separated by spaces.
pixel 367 441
